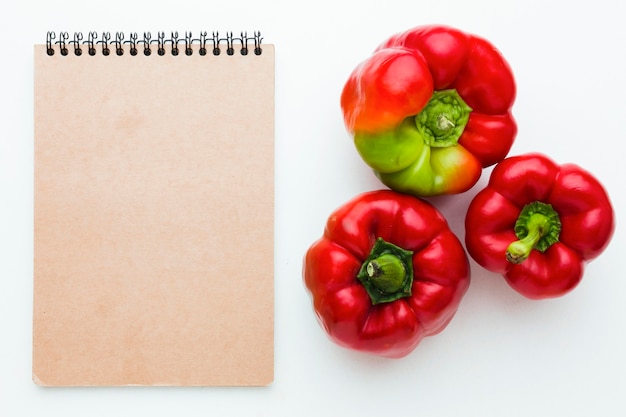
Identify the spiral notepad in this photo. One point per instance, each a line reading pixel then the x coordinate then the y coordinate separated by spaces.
pixel 154 191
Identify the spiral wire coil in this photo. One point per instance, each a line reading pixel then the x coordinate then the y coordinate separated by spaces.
pixel 107 44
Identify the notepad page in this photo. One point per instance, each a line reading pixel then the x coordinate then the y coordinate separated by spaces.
pixel 153 233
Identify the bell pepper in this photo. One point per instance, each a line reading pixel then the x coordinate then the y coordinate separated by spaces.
pixel 387 272
pixel 538 223
pixel 430 108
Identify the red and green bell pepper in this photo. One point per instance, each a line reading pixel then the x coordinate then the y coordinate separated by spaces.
pixel 538 223
pixel 387 272
pixel 430 108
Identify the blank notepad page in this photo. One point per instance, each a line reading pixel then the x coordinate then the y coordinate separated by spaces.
pixel 154 218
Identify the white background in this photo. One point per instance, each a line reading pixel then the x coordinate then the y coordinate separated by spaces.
pixel 502 355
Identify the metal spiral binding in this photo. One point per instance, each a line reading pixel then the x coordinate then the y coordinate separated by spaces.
pixel 107 44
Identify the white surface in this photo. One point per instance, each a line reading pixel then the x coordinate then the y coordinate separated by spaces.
pixel 502 354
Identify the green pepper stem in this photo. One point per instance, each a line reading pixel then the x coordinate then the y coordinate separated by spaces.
pixel 442 121
pixel 387 273
pixel 538 227
pixel 519 250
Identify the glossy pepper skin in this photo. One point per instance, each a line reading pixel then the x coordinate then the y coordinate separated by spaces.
pixel 430 108
pixel 538 223
pixel 387 272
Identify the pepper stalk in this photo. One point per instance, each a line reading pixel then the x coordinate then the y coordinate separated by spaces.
pixel 537 227
pixel 387 273
pixel 442 121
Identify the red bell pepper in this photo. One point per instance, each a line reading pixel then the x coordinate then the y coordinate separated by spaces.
pixel 430 108
pixel 387 272
pixel 538 223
